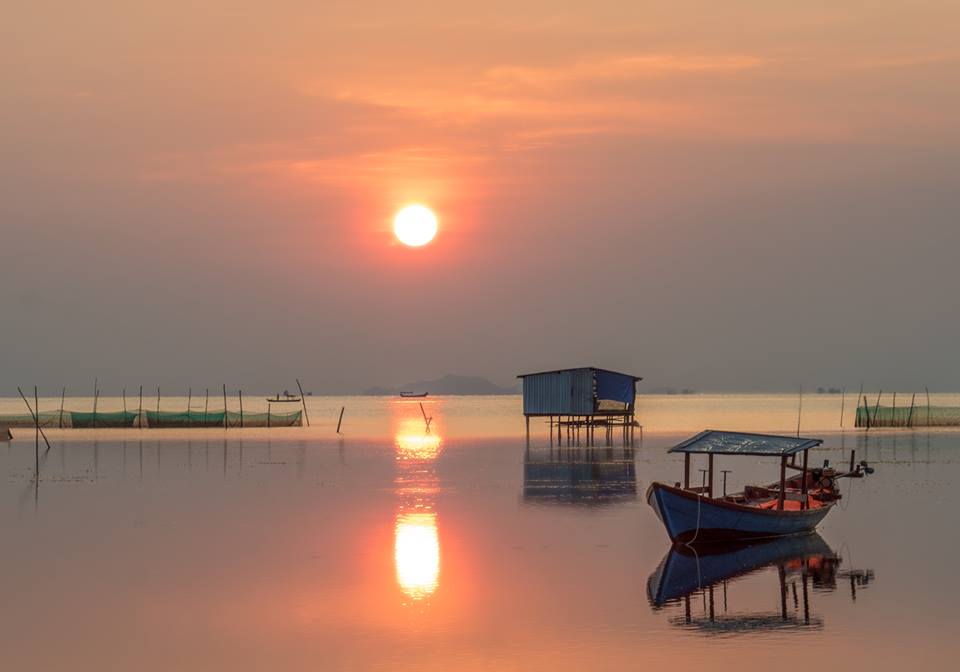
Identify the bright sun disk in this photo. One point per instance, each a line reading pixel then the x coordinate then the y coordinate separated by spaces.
pixel 415 225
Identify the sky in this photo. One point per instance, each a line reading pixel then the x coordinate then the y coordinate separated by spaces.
pixel 722 196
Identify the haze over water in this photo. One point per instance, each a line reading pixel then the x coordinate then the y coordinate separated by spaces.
pixel 396 548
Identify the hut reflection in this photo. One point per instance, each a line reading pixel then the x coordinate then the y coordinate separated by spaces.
pixel 579 475
pixel 416 550
pixel 698 581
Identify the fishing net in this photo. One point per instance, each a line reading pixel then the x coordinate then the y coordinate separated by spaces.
pixel 48 419
pixel 157 419
pixel 235 419
pixel 80 420
pixel 916 416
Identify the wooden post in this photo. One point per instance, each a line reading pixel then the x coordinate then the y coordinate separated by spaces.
pixel 96 398
pixel 36 434
pixel 240 393
pixel 206 406
pixel 158 406
pixel 913 400
pixel 799 410
pixel 303 400
pixel 853 457
pixel 927 389
pixel 189 401
pixel 710 475
pixel 124 393
pixel 269 408
pixel 225 423
pixel 803 486
pixel 63 393
pixel 783 482
pixel 843 398
pixel 866 408
pixel 140 410
pixel 528 431
pixel 893 413
pixel 876 409
pixel 686 471
pixel 343 408
pixel 35 416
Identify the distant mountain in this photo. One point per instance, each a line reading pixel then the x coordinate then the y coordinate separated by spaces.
pixel 448 384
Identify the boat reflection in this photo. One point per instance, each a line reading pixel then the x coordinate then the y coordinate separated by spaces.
pixel 416 547
pixel 579 475
pixel 698 580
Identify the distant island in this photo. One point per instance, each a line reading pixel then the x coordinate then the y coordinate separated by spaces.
pixel 448 384
pixel 669 390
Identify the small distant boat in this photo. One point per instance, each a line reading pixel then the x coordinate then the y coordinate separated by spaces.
pixel 794 505
pixel 286 398
pixel 414 395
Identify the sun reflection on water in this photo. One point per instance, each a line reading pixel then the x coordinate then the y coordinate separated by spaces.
pixel 417 554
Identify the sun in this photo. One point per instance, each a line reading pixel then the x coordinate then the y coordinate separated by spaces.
pixel 415 225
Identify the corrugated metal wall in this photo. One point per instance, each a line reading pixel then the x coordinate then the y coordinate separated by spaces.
pixel 559 393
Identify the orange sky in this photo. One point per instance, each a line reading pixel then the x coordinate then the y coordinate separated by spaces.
pixel 194 152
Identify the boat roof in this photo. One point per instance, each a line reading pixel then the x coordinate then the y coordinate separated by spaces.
pixel 744 443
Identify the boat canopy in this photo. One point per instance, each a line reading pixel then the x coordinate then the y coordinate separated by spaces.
pixel 742 443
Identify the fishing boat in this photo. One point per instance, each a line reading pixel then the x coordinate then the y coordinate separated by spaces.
pixel 285 399
pixel 793 505
pixel 414 395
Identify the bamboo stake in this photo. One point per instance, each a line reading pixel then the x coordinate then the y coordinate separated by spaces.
pixel 913 399
pixel 303 400
pixel 35 416
pixel 96 397
pixel 893 413
pixel 124 400
pixel 189 401
pixel 225 406
pixel 876 408
pixel 63 393
pixel 799 413
pixel 866 407
pixel 36 434
pixel 843 397
pixel 927 389
pixel 342 409
pixel 206 406
pixel 158 405
pixel 140 410
pixel 240 392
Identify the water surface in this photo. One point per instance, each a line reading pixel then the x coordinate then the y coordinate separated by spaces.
pixel 455 548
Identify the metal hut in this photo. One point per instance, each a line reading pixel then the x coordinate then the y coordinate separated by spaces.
pixel 579 401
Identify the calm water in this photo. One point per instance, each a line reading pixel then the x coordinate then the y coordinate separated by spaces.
pixel 396 548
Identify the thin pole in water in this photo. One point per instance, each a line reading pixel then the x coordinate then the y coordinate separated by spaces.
pixel 96 397
pixel 158 405
pixel 799 410
pixel 843 398
pixel 893 413
pixel 124 392
pixel 342 409
pixel 866 408
pixel 189 401
pixel 140 410
pixel 913 400
pixel 876 409
pixel 224 405
pixel 206 405
pixel 303 400
pixel 240 393
pixel 63 393
pixel 36 434
pixel 35 416
pixel 927 389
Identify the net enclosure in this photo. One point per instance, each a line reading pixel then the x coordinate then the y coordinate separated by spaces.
pixel 907 416
pixel 150 419
pixel 743 443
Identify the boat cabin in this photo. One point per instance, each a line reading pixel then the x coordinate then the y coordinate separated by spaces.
pixel 791 494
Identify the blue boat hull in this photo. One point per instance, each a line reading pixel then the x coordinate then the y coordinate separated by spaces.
pixel 689 517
